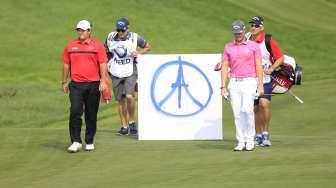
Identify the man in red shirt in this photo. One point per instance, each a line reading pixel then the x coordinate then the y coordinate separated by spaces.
pixel 86 61
pixel 270 61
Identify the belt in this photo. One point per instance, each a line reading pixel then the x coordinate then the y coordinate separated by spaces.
pixel 89 82
pixel 239 79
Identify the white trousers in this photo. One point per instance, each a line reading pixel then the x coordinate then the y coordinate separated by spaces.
pixel 242 94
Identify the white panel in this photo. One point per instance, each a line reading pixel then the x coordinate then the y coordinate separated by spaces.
pixel 179 97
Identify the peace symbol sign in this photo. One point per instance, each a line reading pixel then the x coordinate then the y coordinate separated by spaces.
pixel 182 88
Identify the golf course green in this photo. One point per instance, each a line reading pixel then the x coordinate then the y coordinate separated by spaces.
pixel 34 110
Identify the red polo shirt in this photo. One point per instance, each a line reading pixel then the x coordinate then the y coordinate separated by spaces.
pixel 276 50
pixel 84 59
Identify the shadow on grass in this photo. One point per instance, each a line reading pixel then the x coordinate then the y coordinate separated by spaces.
pixel 114 133
pixel 226 144
pixel 60 145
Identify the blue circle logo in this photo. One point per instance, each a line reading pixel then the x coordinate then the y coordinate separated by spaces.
pixel 179 86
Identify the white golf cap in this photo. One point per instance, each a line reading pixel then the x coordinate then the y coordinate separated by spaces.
pixel 83 24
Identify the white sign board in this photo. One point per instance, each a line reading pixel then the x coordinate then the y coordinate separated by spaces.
pixel 179 97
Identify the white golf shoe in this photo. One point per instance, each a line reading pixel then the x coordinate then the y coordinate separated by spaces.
pixel 249 146
pixel 89 147
pixel 75 147
pixel 266 143
pixel 240 147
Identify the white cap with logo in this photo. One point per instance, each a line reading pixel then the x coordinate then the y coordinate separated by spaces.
pixel 83 24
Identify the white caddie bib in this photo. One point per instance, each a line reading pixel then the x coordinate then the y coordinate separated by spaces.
pixel 121 64
pixel 265 58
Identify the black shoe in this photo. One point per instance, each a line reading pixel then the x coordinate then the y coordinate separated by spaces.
pixel 123 131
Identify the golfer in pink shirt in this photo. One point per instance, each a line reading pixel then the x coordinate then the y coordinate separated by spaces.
pixel 243 57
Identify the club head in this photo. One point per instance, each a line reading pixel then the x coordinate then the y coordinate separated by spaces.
pixel 256 96
pixel 226 97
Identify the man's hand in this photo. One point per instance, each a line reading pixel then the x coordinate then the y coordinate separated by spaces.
pixel 260 89
pixel 102 86
pixel 134 54
pixel 269 70
pixel 65 86
pixel 224 93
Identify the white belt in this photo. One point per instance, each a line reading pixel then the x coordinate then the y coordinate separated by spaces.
pixel 240 79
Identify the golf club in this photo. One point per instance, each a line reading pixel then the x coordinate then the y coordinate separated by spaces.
pixel 289 91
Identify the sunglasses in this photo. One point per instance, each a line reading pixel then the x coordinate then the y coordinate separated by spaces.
pixel 254 25
pixel 121 30
pixel 81 30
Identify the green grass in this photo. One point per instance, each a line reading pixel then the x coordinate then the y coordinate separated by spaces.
pixel 34 111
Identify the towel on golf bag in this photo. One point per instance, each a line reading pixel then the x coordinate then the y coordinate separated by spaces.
pixel 105 95
pixel 287 75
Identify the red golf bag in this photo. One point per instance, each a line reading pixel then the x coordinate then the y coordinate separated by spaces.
pixel 287 75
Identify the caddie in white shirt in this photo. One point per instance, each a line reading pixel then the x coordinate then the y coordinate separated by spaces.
pixel 272 59
pixel 121 47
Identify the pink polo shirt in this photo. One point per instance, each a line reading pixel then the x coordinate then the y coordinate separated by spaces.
pixel 242 58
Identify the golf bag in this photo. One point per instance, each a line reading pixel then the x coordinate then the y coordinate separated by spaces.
pixel 288 74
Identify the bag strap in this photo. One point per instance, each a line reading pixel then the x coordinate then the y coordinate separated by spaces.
pixel 134 40
pixel 248 35
pixel 268 43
